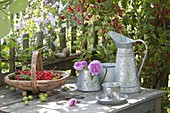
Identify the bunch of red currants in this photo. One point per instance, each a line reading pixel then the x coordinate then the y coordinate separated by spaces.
pixel 40 75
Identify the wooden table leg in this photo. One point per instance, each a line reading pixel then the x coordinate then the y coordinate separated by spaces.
pixel 157 106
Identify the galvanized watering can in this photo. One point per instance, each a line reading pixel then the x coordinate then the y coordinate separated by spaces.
pixel 86 84
pixel 125 68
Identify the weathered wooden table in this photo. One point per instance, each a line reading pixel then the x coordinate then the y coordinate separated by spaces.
pixel 146 100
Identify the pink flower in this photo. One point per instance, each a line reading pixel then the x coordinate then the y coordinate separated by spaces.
pixel 80 65
pixel 95 67
pixel 46 1
pixel 72 102
pixel 84 62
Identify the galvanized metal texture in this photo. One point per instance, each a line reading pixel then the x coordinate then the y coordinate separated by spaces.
pixel 86 84
pixel 107 74
pixel 125 68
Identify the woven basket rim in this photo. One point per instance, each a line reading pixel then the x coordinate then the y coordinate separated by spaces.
pixel 64 74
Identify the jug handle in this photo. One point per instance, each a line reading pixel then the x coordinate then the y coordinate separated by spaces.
pixel 146 47
pixel 104 74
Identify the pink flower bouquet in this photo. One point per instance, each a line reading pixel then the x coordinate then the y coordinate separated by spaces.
pixel 94 67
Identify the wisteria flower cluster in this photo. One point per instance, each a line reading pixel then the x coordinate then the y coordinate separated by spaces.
pixel 94 67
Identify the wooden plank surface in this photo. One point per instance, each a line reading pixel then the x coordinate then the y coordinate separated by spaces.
pixel 58 102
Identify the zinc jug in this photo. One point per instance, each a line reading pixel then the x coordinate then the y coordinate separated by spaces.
pixel 125 69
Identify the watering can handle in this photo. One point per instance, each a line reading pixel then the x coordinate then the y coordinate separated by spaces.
pixel 104 75
pixel 146 47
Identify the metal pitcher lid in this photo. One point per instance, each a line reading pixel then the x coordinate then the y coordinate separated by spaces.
pixel 108 65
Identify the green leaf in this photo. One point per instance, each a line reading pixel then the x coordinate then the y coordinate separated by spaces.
pixel 126 20
pixel 91 77
pixel 92 1
pixel 73 23
pixel 148 6
pixel 4 65
pixel 18 5
pixel 5 27
pixel 24 67
pixel 11 44
pixel 25 77
pixel 3 13
pixel 12 76
pixel 64 1
pixel 124 3
pixel 57 77
pixel 3 2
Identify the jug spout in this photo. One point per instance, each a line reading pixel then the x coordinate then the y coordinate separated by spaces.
pixel 120 40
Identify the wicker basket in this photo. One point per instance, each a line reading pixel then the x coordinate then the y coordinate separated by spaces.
pixel 34 85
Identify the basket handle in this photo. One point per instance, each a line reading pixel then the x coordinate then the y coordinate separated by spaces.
pixel 36 58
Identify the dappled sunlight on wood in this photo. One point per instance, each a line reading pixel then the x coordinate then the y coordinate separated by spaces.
pixel 91 102
pixel 133 100
pixel 82 105
pixel 45 110
pixel 2 96
pixel 52 105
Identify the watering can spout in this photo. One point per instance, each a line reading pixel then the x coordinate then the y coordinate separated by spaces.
pixel 119 39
